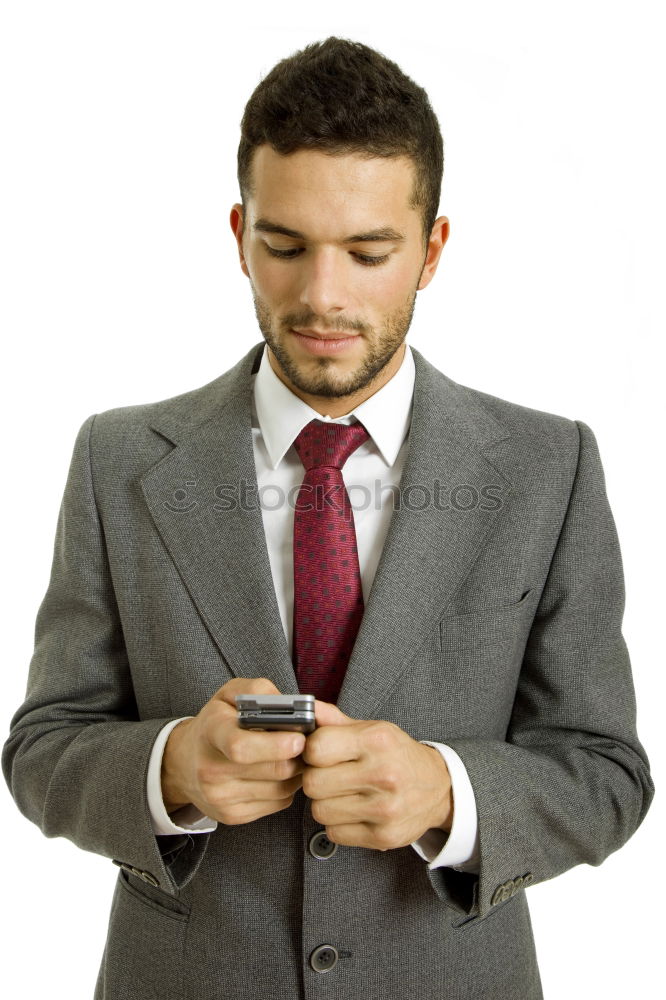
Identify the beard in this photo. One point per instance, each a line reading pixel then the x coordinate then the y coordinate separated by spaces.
pixel 322 378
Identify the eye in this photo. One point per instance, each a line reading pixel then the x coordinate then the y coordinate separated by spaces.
pixel 285 254
pixel 363 258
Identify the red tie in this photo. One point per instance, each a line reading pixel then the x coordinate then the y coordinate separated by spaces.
pixel 328 599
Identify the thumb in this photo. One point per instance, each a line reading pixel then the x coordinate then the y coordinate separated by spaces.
pixel 328 714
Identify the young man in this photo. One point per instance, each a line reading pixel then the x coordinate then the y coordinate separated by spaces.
pixel 460 627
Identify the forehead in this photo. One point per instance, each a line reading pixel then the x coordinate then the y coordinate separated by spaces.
pixel 304 188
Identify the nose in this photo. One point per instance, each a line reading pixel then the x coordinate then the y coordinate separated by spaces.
pixel 324 280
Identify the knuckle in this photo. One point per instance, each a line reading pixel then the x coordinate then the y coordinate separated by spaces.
pixel 243 685
pixel 394 810
pixel 312 746
pixel 283 769
pixel 222 811
pixel 264 684
pixel 308 784
pixel 236 813
pixel 204 774
pixel 380 735
pixel 388 780
pixel 280 770
pixel 231 817
pixel 219 808
pixel 237 748
pixel 216 713
pixel 384 838
pixel 387 810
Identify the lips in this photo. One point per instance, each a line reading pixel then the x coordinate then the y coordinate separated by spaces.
pixel 325 336
pixel 325 345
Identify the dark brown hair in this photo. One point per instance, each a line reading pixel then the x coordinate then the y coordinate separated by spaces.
pixel 343 97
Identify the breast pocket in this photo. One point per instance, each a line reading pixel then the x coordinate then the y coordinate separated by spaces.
pixel 481 653
pixel 485 624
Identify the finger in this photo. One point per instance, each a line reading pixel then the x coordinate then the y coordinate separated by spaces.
pixel 343 809
pixel 247 746
pixel 245 685
pixel 328 714
pixel 357 835
pixel 275 770
pixel 340 780
pixel 330 745
pixel 242 790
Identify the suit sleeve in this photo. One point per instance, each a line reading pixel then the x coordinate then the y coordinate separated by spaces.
pixel 77 755
pixel 571 782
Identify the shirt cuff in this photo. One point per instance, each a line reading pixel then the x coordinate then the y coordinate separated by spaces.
pixel 188 819
pixel 460 849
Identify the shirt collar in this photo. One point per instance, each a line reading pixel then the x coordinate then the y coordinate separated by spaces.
pixel 281 415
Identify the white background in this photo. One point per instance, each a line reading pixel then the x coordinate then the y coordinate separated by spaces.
pixel 120 125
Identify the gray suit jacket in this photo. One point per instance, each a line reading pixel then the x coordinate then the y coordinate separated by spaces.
pixel 493 625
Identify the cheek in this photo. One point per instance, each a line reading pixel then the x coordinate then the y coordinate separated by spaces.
pixel 273 284
pixel 386 292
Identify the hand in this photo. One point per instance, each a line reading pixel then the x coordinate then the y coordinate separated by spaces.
pixel 231 774
pixel 371 784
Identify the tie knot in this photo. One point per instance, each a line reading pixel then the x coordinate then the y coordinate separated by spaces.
pixel 321 443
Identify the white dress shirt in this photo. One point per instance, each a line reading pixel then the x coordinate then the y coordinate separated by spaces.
pixel 371 475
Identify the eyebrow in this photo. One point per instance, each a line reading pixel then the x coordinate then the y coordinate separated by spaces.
pixel 383 235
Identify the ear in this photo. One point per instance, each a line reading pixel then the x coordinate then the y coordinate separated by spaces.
pixel 438 237
pixel 236 222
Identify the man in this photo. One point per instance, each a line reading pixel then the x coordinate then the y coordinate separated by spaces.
pixel 461 630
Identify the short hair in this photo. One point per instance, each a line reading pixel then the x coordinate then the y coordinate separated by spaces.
pixel 343 97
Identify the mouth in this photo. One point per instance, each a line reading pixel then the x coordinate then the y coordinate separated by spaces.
pixel 319 343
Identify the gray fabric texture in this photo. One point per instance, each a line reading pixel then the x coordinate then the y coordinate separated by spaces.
pixel 493 625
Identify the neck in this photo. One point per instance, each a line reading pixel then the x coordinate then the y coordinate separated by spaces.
pixel 340 406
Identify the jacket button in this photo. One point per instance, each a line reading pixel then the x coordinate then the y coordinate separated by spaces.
pixel 324 958
pixel 502 893
pixel 321 847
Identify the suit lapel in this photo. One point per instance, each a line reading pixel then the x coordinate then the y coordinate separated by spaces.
pixel 219 545
pixel 221 554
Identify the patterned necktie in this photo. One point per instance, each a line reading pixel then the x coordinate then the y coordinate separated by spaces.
pixel 328 599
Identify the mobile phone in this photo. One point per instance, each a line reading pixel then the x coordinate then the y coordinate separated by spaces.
pixel 294 712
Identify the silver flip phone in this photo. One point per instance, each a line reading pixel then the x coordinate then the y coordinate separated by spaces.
pixel 295 712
